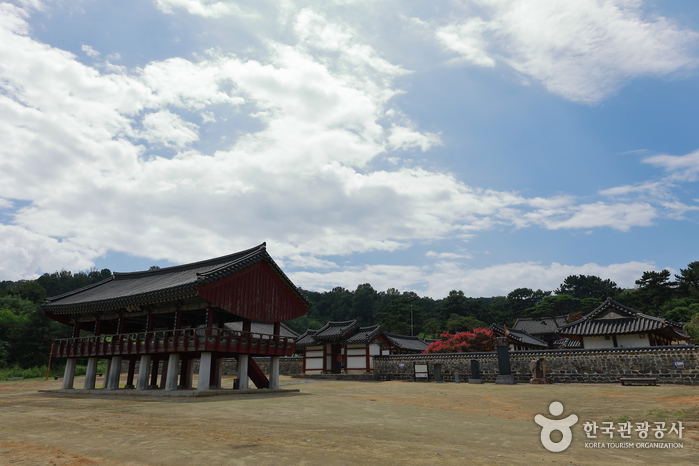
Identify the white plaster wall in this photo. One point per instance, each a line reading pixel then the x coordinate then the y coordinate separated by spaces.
pixel 633 340
pixel 597 342
pixel 314 354
pixel 356 351
pixel 356 362
pixel 314 364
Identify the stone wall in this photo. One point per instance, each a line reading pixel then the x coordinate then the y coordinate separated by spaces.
pixel 563 366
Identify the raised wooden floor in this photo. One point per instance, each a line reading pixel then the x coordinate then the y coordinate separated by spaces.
pixel 197 340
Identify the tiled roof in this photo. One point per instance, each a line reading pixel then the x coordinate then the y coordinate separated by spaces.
pixel 265 328
pixel 363 335
pixel 613 318
pixel 336 330
pixel 519 336
pixel 538 326
pixel 307 339
pixel 151 286
pixel 407 343
pixel 566 343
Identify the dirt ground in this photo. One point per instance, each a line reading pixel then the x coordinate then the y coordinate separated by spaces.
pixel 340 423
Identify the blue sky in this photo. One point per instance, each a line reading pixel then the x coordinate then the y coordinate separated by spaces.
pixel 480 145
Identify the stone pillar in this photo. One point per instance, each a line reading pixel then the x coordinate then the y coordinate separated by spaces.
pixel 154 374
pixel 143 372
pixel 505 376
pixel 129 376
pixel 475 372
pixel 114 373
pixel 69 374
pixel 437 372
pixel 90 374
pixel 163 373
pixel 173 365
pixel 204 372
pixel 243 372
pixel 105 383
pixel 274 372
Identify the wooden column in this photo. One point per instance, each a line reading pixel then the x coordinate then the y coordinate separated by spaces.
pixel 209 317
pixel 98 326
pixel 129 376
pixel 76 328
pixel 150 319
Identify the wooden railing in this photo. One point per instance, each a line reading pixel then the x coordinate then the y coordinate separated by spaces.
pixel 175 341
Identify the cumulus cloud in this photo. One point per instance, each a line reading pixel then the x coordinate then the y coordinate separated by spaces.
pixel 583 50
pixel 205 8
pixel 498 280
pixel 83 146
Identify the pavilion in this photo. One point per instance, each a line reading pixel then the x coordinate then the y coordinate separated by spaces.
pixel 167 318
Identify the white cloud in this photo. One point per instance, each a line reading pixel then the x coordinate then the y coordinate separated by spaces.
pixel 684 167
pixel 23 252
pixel 466 39
pixel 90 52
pixel 498 280
pixel 168 128
pixel 82 145
pixel 583 50
pixel 205 8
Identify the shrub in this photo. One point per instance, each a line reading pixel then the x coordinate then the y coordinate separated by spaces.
pixel 479 339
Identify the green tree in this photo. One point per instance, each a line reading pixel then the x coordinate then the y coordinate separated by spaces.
pixel 588 286
pixel 688 281
pixel 458 324
pixel 552 306
pixel 653 289
pixel 692 328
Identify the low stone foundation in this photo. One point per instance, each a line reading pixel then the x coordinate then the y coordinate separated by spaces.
pixel 563 366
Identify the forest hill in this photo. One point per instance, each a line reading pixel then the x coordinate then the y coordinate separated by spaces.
pixel 26 335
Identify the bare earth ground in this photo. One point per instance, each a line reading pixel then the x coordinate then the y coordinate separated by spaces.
pixel 337 423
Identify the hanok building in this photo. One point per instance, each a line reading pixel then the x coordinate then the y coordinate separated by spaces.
pixel 543 328
pixel 345 347
pixel 519 339
pixel 613 325
pixel 175 315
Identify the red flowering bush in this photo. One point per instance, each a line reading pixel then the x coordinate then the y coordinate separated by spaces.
pixel 479 339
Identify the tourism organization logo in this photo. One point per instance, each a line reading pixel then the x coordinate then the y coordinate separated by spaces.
pixel 605 430
pixel 549 426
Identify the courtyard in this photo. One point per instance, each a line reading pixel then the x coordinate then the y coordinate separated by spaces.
pixel 342 423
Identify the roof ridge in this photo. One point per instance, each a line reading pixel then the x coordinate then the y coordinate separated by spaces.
pixel 191 265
